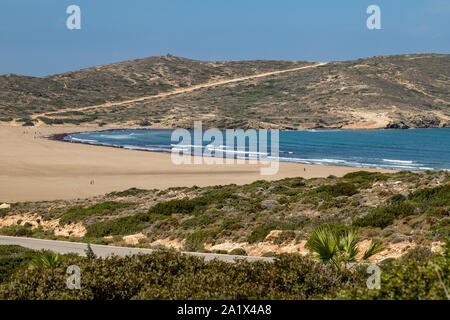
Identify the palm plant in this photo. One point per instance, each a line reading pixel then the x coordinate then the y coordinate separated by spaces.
pixel 323 241
pixel 375 247
pixel 338 247
pixel 45 260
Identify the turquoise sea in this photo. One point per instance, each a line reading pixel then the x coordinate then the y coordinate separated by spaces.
pixel 412 149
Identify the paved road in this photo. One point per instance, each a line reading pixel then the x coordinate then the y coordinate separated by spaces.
pixel 105 251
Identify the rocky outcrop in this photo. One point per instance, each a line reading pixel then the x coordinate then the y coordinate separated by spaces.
pixel 397 125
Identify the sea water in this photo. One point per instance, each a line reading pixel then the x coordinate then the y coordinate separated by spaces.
pixel 412 149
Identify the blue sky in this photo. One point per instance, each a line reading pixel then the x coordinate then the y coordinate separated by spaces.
pixel 34 39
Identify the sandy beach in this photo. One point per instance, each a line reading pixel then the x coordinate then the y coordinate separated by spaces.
pixel 33 168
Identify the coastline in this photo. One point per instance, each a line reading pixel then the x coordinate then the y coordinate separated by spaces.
pixel 35 168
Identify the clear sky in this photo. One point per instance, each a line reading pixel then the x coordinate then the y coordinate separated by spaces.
pixel 34 39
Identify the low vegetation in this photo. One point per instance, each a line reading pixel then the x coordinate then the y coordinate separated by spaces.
pixel 169 275
pixel 405 207
pixel 76 214
pixel 338 246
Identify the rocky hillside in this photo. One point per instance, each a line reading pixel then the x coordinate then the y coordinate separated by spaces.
pixel 22 96
pixel 394 92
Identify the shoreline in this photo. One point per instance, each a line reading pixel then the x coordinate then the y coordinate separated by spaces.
pixel 34 168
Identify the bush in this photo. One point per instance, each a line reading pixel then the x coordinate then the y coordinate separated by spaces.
pixel 440 194
pixel 230 224
pixel 396 198
pixel 409 279
pixel 196 241
pixel 430 198
pixel 199 221
pixel 418 253
pixel 13 258
pixel 260 233
pixel 177 206
pixel 75 214
pixel 285 236
pixel 338 189
pixel 145 123
pixel 168 275
pixel 238 252
pixel 365 176
pixel 383 216
pixel 16 231
pixel 4 212
pixel 128 192
pixel 122 226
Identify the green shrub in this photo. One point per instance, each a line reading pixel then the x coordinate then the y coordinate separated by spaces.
pixel 75 214
pixel 365 176
pixel 13 258
pixel 230 224
pixel 199 221
pixel 219 196
pixel 128 192
pixel 338 189
pixel 196 241
pixel 260 233
pixel 122 226
pixel 145 123
pixel 409 279
pixel 167 275
pixel 427 200
pixel 440 194
pixel 4 212
pixel 170 275
pixel 177 206
pixel 285 236
pixel 238 252
pixel 16 231
pixel 383 216
pixel 396 198
pixel 418 253
pixel 283 200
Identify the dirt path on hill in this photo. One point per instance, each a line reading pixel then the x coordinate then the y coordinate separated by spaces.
pixel 178 91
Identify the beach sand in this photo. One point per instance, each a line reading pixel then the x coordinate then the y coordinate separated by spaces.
pixel 33 168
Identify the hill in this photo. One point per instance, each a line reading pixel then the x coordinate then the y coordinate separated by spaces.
pixel 394 92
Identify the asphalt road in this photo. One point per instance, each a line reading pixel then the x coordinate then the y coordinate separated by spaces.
pixel 105 251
